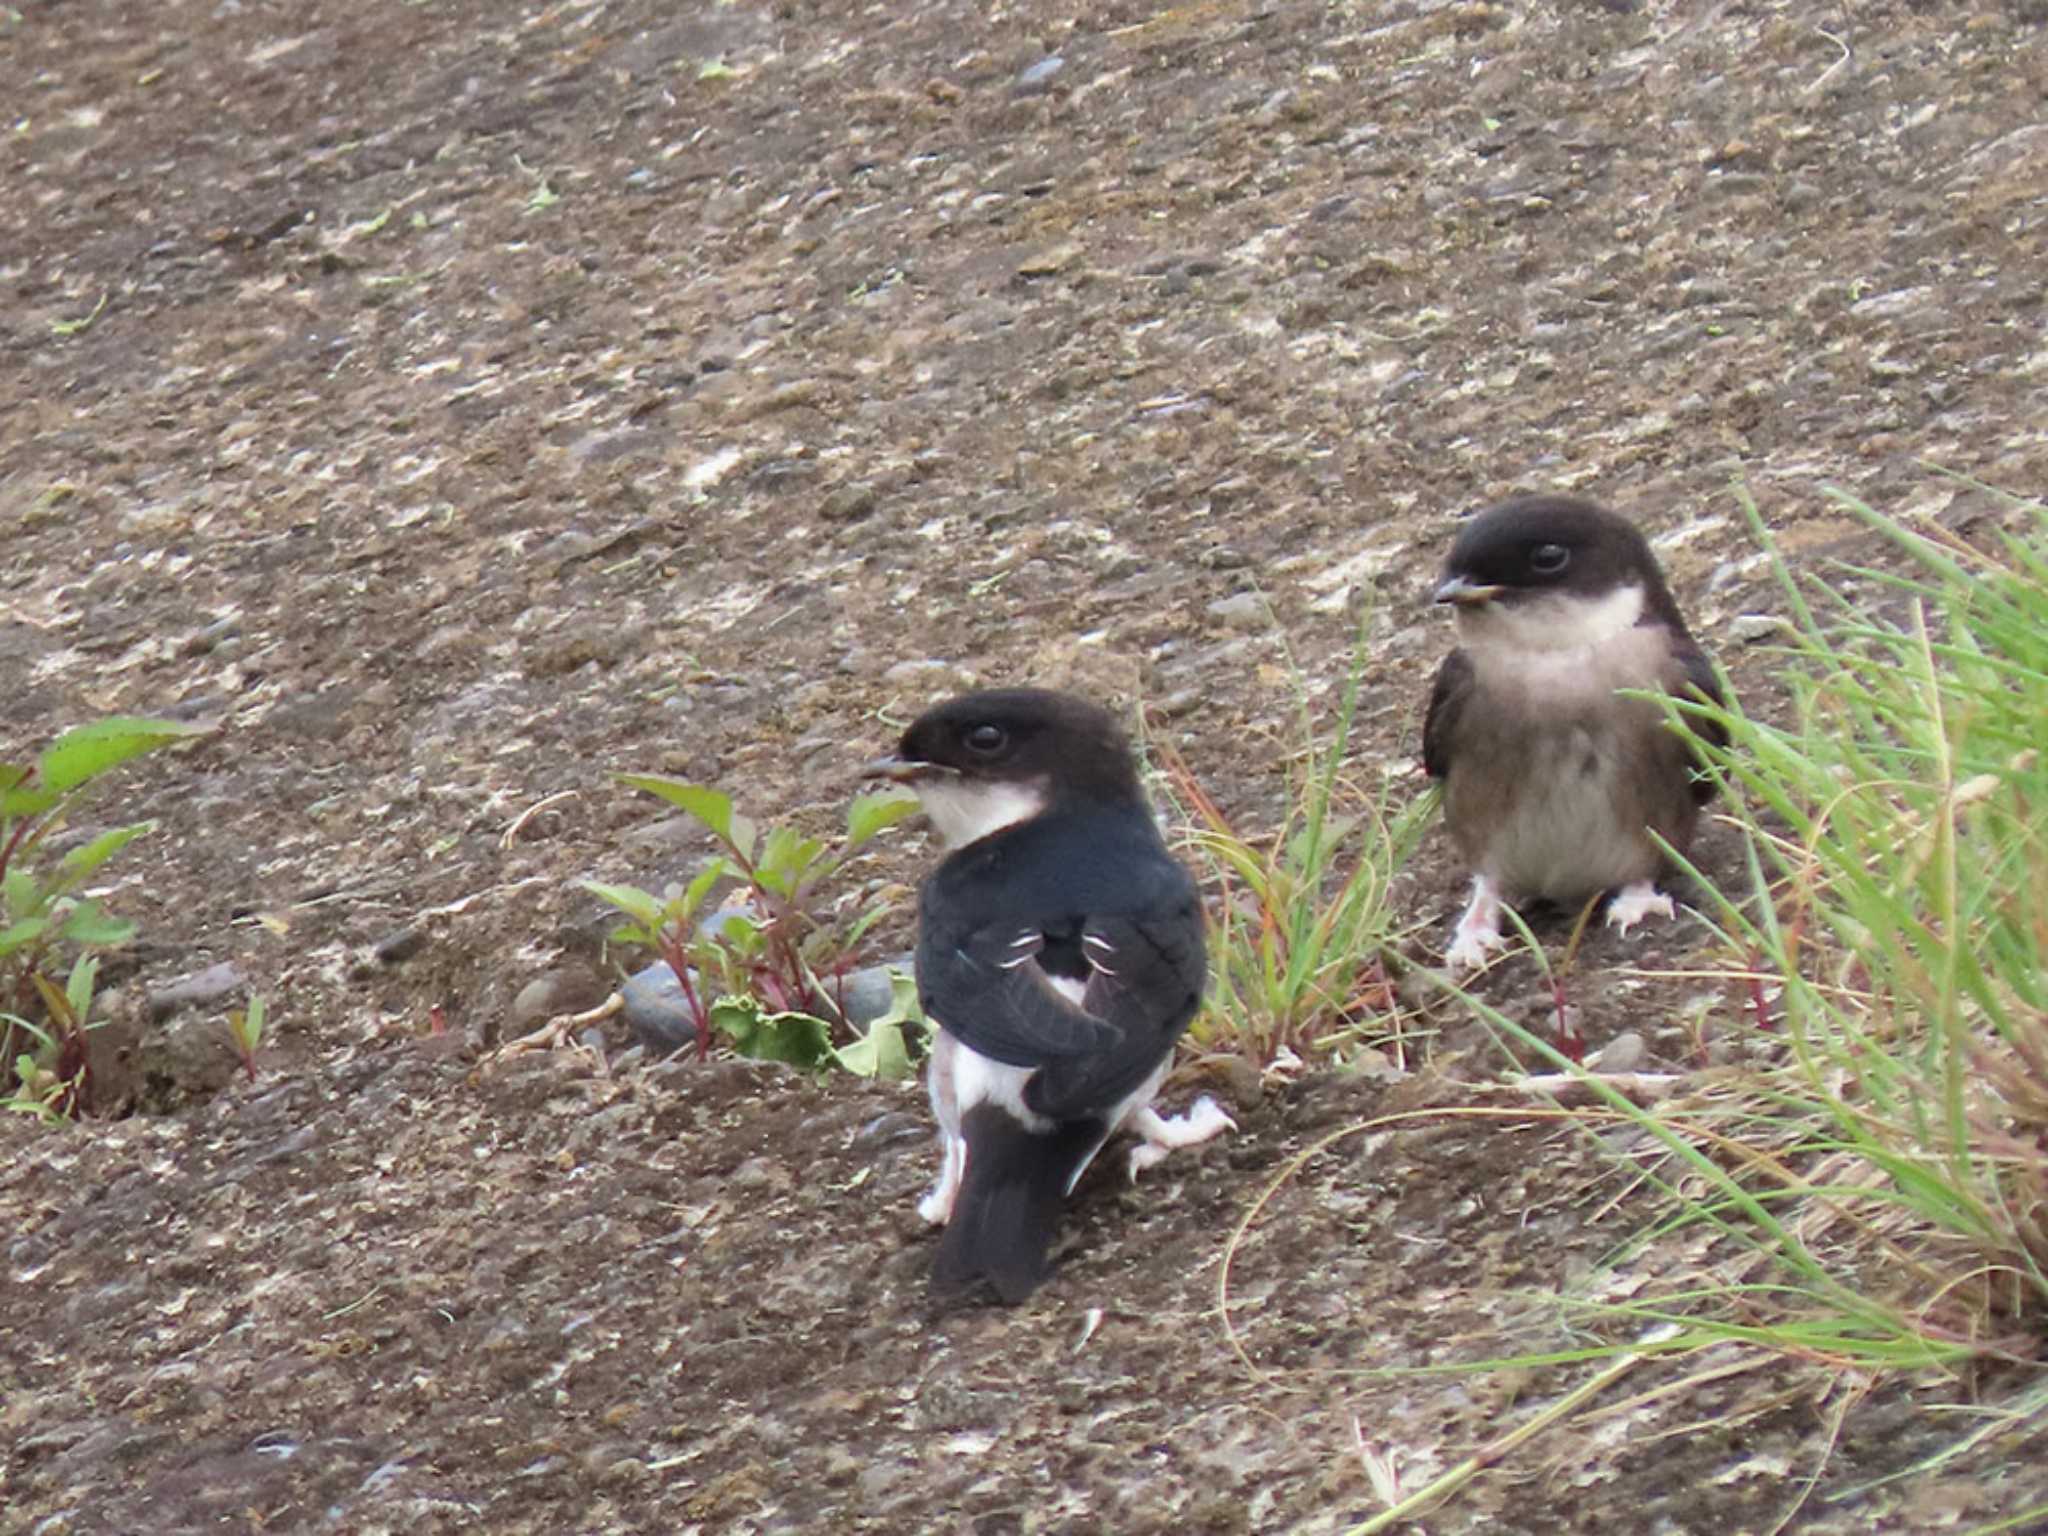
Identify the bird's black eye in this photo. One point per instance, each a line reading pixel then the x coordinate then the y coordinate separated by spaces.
pixel 1549 559
pixel 987 740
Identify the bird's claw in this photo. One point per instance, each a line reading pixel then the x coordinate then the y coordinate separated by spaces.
pixel 1204 1119
pixel 1473 948
pixel 1633 903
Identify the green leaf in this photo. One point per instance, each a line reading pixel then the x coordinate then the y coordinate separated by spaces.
pixel 78 989
pixel 25 932
pixel 87 924
pixel 742 833
pixel 21 897
pixel 884 1051
pixel 90 750
pixel 858 928
pixel 34 1029
pixel 711 806
pixel 796 1038
pixel 700 887
pixel 81 862
pixel 247 1024
pixel 738 930
pixel 56 1005
pixel 873 813
pixel 637 904
pixel 20 799
pixel 787 858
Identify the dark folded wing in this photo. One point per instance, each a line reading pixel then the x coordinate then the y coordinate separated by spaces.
pixel 986 987
pixel 1071 944
pixel 1147 988
pixel 1447 696
pixel 1695 674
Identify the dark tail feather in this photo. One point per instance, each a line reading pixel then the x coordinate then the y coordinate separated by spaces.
pixel 1009 1203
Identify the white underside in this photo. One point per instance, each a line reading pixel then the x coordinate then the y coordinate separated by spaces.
pixel 960 1078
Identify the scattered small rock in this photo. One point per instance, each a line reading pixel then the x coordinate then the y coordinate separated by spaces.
pixel 655 1010
pixel 399 945
pixel 1048 262
pixel 1036 79
pixel 1243 610
pixel 761 1173
pixel 202 989
pixel 887 1129
pixel 1624 1053
pixel 865 994
pixel 565 989
pixel 1749 628
pixel 848 503
pixel 202 641
pixel 926 672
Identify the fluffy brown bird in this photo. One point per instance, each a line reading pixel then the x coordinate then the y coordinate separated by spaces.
pixel 1556 787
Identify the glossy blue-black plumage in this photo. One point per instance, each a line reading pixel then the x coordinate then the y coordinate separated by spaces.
pixel 1115 912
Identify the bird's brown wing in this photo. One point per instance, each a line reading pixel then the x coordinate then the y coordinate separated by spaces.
pixel 1447 696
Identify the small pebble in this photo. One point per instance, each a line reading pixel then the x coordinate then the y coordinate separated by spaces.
pixel 1036 79
pixel 1244 610
pixel 201 989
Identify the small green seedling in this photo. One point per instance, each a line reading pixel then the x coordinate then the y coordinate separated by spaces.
pixel 246 1025
pixel 51 1082
pixel 45 914
pixel 773 945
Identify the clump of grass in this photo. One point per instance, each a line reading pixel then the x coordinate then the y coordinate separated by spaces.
pixel 1872 1194
pixel 1301 917
pixel 1867 1196
pixel 1897 836
pixel 1882 1166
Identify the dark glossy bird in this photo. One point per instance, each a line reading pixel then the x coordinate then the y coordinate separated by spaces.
pixel 1557 786
pixel 1059 957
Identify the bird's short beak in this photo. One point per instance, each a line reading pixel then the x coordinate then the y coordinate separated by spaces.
pixel 898 770
pixel 1465 594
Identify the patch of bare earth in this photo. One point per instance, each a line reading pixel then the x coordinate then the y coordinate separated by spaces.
pixel 457 401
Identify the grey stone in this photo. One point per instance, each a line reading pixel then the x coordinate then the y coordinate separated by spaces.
pixel 655 1010
pixel 848 503
pixel 925 672
pixel 215 984
pixel 1626 1052
pixel 864 993
pixel 399 945
pixel 1036 79
pixel 761 1173
pixel 565 989
pixel 1243 610
pixel 1749 628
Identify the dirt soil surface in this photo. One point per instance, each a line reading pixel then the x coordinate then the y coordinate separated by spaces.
pixel 457 401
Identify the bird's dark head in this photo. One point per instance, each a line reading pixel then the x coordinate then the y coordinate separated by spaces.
pixel 984 761
pixel 1551 573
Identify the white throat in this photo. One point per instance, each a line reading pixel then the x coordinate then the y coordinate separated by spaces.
pixel 1555 622
pixel 964 813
